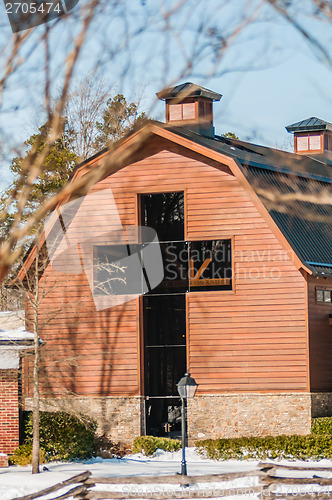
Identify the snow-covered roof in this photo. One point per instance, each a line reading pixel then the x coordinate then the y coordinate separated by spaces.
pixel 12 331
pixel 17 336
pixel 11 343
pixel 11 320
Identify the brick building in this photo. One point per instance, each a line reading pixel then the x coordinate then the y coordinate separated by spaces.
pixel 13 339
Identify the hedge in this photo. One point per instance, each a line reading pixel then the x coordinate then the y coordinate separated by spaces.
pixel 312 446
pixel 23 456
pixel 63 436
pixel 322 425
pixel 149 444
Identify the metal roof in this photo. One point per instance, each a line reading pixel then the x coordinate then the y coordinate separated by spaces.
pixel 187 89
pixel 319 168
pixel 285 182
pixel 306 225
pixel 309 124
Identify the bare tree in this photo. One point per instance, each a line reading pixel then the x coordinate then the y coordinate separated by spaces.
pixel 84 108
pixel 189 30
pixel 35 291
pixel 36 285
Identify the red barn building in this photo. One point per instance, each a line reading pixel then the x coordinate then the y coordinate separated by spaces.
pixel 245 297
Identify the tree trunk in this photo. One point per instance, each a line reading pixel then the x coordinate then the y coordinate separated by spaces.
pixel 35 409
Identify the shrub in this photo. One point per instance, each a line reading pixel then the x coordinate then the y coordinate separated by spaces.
pixel 106 448
pixel 149 444
pixel 321 425
pixel 301 447
pixel 23 455
pixel 63 436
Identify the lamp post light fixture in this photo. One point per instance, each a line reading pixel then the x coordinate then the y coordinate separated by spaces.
pixel 187 389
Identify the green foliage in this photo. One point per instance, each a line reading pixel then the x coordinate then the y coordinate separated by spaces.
pixel 149 444
pixel 313 446
pixel 64 436
pixel 322 425
pixel 230 135
pixel 58 167
pixel 118 119
pixel 23 455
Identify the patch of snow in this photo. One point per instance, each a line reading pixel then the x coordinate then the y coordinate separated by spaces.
pixel 18 481
pixel 18 334
pixel 11 320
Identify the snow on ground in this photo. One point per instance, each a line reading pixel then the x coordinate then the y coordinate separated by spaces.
pixel 18 481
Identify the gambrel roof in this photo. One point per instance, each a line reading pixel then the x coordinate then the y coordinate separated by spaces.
pixel 295 189
pixel 293 192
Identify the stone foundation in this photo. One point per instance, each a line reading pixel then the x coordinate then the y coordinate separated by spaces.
pixel 236 415
pixel 119 418
pixel 321 404
pixel 209 416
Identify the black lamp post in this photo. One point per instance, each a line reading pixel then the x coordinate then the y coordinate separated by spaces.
pixel 186 388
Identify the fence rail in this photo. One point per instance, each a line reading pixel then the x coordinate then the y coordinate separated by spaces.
pixel 273 482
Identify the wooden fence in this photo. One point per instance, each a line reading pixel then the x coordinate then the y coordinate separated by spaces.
pixel 273 481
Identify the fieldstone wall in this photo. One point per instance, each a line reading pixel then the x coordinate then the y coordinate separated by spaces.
pixel 209 416
pixel 321 404
pixel 120 418
pixel 236 415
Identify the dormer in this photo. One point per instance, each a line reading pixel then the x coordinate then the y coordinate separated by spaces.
pixel 311 136
pixel 191 106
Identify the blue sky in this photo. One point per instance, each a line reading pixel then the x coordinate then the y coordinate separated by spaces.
pixel 269 75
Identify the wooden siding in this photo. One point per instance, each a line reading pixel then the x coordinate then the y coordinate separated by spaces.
pixel 252 338
pixel 320 338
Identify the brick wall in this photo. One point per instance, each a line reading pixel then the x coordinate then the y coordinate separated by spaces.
pixel 9 411
pixel 3 460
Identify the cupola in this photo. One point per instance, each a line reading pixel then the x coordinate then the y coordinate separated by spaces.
pixel 191 106
pixel 311 136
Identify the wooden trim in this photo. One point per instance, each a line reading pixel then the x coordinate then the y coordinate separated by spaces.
pixel 232 238
pixel 224 292
pixel 323 288
pixel 228 392
pixel 185 199
pixel 306 298
pixel 160 191
pixel 233 263
pixel 308 134
pixel 198 118
pixel 187 332
pixel 140 338
pixel 139 311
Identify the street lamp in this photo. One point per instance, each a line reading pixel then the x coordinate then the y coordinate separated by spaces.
pixel 186 388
